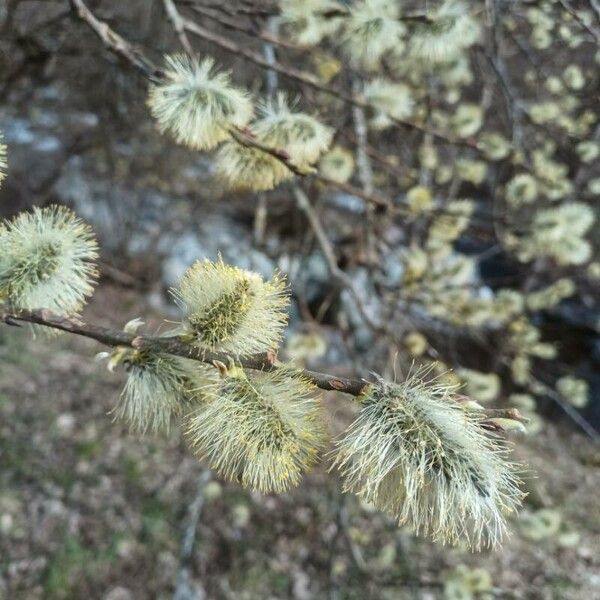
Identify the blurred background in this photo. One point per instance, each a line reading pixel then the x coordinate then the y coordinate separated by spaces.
pixel 89 510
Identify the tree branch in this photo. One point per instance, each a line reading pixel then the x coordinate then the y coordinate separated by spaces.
pixel 115 43
pixel 177 22
pixel 177 347
pixel 172 345
pixel 338 274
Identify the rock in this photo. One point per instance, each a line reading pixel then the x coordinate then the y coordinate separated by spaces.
pixel 312 276
pixel 347 202
pixel 119 593
pixel 217 236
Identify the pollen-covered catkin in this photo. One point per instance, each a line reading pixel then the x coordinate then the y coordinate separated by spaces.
pixel 262 430
pixel 337 164
pixel 414 453
pixel 558 233
pixel 158 388
pixel 242 168
pixel 197 105
pixel 232 310
pixel 307 20
pixel 371 29
pixel 302 136
pixel 389 99
pixel 47 261
pixel 449 32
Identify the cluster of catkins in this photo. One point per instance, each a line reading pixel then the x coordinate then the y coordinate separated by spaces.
pixel 413 451
pixel 547 212
pixel 202 109
pixel 369 30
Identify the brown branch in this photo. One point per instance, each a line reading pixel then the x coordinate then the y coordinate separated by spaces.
pixel 115 43
pixel 235 9
pixel 172 345
pixel 234 25
pixel 177 347
pixel 177 22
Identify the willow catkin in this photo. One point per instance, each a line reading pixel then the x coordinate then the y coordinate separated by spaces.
pixel 370 29
pixel 309 21
pixel 416 454
pixel 232 310
pixel 196 104
pixel 243 168
pixel 301 135
pixel 450 30
pixel 262 430
pixel 47 261
pixel 159 387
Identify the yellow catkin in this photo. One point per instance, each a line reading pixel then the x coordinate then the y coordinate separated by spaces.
pixel 197 105
pixel 159 387
pixel 232 310
pixel 47 260
pixel 414 453
pixel 263 430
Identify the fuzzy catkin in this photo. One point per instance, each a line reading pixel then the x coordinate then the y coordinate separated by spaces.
pixel 306 20
pixel 232 310
pixel 47 261
pixel 196 104
pixel 451 30
pixel 302 136
pixel 414 453
pixel 371 29
pixel 159 387
pixel 262 430
pixel 242 168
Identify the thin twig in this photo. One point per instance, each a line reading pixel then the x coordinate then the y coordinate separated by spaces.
pixel 571 412
pixel 365 172
pixel 514 106
pixel 235 9
pixel 177 22
pixel 338 274
pixel 114 42
pixel 234 25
